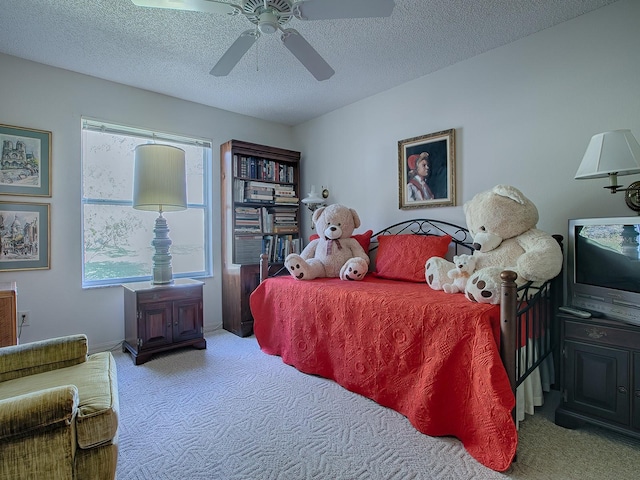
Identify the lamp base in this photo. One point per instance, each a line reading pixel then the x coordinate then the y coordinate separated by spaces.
pixel 162 272
pixel 632 196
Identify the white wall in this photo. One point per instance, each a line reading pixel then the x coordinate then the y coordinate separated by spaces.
pixel 41 97
pixel 523 115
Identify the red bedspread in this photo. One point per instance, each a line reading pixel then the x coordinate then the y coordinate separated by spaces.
pixel 431 356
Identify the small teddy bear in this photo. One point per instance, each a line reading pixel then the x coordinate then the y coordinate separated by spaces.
pixel 464 267
pixel 335 253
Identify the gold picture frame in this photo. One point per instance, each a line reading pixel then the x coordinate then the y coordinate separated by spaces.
pixel 426 170
pixel 25 161
pixel 25 233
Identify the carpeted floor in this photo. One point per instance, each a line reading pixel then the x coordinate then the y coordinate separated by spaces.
pixel 232 412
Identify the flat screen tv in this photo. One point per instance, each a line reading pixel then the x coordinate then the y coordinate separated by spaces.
pixel 603 267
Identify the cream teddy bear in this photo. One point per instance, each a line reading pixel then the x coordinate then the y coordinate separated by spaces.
pixel 502 222
pixel 335 253
pixel 464 267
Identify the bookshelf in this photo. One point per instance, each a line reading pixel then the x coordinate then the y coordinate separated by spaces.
pixel 260 214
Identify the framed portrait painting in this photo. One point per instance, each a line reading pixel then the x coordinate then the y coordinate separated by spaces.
pixel 24 236
pixel 426 167
pixel 25 161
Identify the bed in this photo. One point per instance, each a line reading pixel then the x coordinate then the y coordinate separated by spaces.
pixel 452 367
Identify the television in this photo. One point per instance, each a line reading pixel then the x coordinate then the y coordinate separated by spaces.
pixel 603 267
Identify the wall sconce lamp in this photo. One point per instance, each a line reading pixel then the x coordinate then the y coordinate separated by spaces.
pixel 610 154
pixel 313 201
pixel 160 185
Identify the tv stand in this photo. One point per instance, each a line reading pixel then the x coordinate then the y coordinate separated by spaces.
pixel 600 374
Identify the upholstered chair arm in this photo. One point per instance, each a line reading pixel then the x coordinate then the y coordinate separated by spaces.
pixel 42 356
pixel 32 413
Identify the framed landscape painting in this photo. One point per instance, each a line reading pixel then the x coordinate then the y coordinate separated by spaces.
pixel 24 236
pixel 426 170
pixel 25 161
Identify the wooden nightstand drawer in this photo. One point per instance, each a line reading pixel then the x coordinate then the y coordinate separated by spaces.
pixel 169 295
pixel 602 333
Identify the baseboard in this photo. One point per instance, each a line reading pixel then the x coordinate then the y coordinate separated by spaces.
pixel 106 347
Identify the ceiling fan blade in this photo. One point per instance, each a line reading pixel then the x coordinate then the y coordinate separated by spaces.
pixel 307 55
pixel 236 51
pixel 332 9
pixel 209 6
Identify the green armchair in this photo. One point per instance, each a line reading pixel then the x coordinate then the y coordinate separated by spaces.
pixel 58 411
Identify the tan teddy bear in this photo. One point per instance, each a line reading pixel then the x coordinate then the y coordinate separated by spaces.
pixel 335 253
pixel 502 223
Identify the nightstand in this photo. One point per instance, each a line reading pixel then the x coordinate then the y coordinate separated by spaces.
pixel 600 374
pixel 162 317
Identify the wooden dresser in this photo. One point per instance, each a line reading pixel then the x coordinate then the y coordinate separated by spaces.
pixel 8 314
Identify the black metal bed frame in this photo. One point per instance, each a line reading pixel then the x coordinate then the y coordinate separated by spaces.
pixel 527 310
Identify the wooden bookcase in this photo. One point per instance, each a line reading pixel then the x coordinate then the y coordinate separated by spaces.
pixel 260 188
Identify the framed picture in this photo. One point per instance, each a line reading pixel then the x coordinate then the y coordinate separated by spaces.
pixel 25 164
pixel 427 166
pixel 25 232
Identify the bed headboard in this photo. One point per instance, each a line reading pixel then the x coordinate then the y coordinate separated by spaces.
pixel 461 240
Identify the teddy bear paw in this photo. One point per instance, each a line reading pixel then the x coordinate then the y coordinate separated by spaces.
pixel 450 288
pixel 297 266
pixel 484 286
pixel 355 269
pixel 435 272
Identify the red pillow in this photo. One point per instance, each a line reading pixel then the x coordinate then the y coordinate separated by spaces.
pixel 364 239
pixel 402 257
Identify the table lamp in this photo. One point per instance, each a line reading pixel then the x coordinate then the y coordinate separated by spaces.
pixel 160 185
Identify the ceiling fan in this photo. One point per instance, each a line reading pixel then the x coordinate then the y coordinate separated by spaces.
pixel 269 16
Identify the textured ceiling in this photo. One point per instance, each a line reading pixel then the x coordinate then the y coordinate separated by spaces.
pixel 172 52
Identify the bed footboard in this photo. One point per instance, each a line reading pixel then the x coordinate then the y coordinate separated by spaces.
pixel 528 330
pixel 508 324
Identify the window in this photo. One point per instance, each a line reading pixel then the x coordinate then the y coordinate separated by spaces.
pixel 116 238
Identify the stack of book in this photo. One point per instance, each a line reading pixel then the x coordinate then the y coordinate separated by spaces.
pixel 258 191
pixel 285 220
pixel 247 220
pixel 284 194
pixel 248 249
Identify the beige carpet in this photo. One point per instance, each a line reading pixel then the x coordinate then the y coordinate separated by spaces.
pixel 232 412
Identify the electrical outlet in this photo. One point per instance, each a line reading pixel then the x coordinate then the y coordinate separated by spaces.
pixel 23 318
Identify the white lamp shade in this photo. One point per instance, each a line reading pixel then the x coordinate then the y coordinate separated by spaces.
pixel 615 152
pixel 159 178
pixel 313 197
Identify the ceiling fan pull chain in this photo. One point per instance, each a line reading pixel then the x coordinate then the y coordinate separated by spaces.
pixel 257 57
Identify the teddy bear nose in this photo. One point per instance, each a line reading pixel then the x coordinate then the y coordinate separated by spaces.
pixel 476 246
pixel 333 229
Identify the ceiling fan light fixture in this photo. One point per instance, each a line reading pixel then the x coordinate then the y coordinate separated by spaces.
pixel 268 23
pixel 269 16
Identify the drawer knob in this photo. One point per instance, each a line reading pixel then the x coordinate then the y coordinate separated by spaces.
pixel 622 389
pixel 593 332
